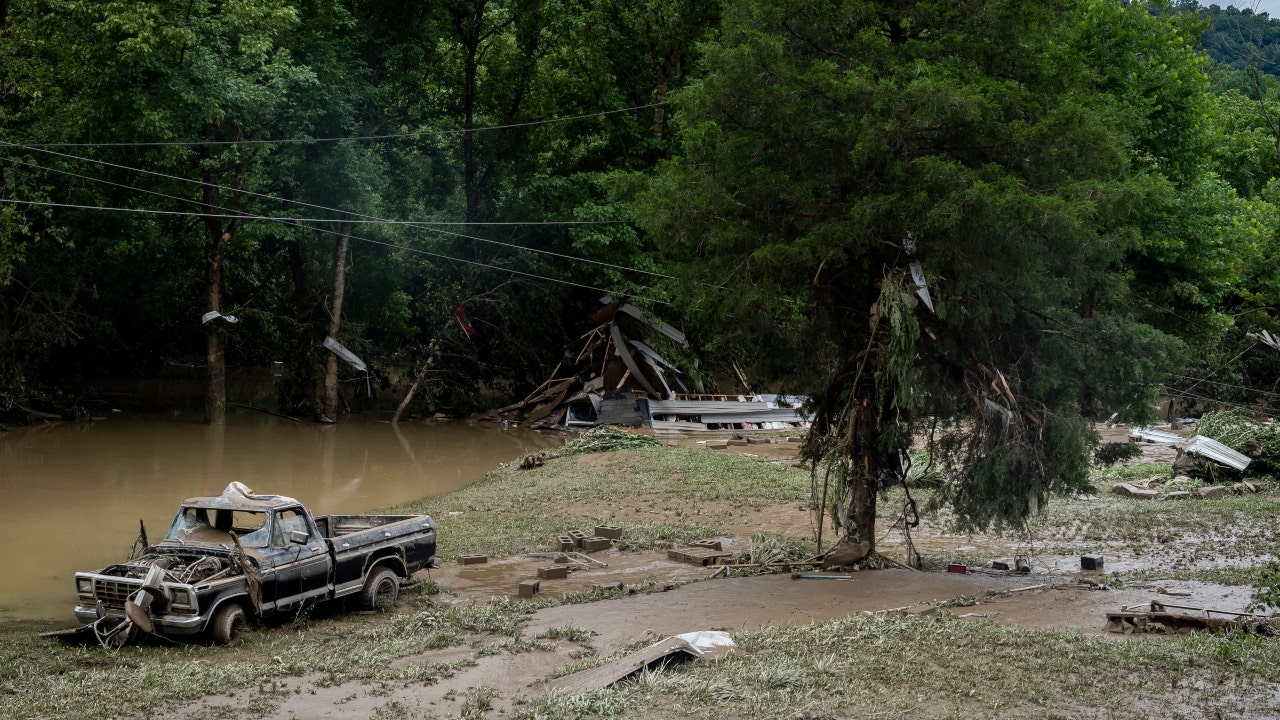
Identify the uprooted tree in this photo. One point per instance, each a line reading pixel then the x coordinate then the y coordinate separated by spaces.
pixel 926 214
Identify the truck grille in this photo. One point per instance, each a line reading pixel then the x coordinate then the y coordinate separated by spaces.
pixel 114 593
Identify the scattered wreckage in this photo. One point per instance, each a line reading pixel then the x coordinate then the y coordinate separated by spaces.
pixel 1196 457
pixel 613 378
pixel 241 556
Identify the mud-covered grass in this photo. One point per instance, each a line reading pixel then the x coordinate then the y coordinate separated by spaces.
pixel 512 511
pixel 940 667
pixel 884 667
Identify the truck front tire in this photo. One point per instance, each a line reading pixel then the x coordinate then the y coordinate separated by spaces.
pixel 227 623
pixel 380 590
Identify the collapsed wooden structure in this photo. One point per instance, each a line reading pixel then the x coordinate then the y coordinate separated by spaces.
pixel 614 378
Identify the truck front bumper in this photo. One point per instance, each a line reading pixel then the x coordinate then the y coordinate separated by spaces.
pixel 165 624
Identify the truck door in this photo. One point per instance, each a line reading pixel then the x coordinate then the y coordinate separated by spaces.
pixel 302 559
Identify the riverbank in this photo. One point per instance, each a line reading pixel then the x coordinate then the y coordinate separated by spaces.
pixel 805 647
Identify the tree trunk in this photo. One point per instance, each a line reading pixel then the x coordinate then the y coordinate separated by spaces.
pixel 216 239
pixel 865 468
pixel 329 407
pixel 422 374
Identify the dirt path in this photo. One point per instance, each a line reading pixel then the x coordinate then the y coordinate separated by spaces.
pixel 504 681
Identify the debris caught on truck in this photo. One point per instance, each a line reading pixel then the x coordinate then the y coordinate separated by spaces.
pixel 241 557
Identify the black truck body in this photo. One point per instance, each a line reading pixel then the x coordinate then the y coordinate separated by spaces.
pixel 240 556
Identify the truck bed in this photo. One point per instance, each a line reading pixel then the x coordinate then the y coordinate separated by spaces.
pixel 336 526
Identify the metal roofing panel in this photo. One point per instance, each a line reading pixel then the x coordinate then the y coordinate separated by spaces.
pixel 1217 452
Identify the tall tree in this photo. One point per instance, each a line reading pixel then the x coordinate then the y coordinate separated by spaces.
pixel 841 158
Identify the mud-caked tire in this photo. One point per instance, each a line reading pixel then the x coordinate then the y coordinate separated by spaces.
pixel 228 624
pixel 381 589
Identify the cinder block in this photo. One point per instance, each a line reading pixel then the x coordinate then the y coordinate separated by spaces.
pixel 736 442
pixel 613 532
pixel 595 544
pixel 709 544
pixel 530 588
pixel 566 543
pixel 472 559
pixel 578 536
pixel 717 444
pixel 999 565
pixel 1091 562
pixel 553 572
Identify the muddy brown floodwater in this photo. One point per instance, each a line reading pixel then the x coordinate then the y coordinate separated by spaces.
pixel 71 495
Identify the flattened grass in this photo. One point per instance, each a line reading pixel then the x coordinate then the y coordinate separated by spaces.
pixel 942 667
pixel 512 511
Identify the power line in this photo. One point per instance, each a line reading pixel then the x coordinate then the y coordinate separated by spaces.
pixel 356 217
pixel 356 138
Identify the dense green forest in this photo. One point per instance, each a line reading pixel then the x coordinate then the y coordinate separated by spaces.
pixel 1086 188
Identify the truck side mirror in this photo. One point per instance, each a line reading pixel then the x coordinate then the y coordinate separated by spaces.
pixel 298 537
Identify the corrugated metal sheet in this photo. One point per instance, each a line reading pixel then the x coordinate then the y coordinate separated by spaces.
pixel 1156 436
pixel 1217 452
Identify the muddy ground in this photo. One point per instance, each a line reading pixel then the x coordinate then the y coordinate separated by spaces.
pixel 679 597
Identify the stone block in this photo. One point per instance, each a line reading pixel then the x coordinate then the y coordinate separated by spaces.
pixel 613 532
pixel 529 589
pixel 553 572
pixel 1213 491
pixel 472 559
pixel 1177 495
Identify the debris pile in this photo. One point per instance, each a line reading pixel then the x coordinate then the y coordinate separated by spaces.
pixel 615 378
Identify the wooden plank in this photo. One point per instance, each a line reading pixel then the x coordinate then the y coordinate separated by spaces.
pixel 672 649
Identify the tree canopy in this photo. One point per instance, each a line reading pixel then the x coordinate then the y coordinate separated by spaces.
pixel 988 224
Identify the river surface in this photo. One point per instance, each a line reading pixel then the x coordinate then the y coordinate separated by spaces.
pixel 71 495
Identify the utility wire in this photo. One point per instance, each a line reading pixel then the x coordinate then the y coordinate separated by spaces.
pixel 356 217
pixel 356 138
pixel 1246 388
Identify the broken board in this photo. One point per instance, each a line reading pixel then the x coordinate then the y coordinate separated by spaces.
pixel 656 656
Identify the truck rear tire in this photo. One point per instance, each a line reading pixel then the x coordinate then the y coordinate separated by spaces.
pixel 380 590
pixel 227 623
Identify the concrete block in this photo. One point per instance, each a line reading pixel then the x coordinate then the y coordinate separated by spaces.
pixel 1177 495
pixel 709 544
pixel 596 544
pixel 553 572
pixel 999 565
pixel 529 589
pixel 472 559
pixel 607 586
pixel 565 543
pixel 578 536
pixel 737 442
pixel 613 532
pixel 1134 491
pixel 717 444
pixel 1091 562
pixel 1213 491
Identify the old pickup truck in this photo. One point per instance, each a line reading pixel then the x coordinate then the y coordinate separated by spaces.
pixel 240 556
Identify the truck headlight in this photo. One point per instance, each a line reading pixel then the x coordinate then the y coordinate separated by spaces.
pixel 84 586
pixel 180 597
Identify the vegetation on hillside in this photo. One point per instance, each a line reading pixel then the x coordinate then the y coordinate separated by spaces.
pixel 1089 199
